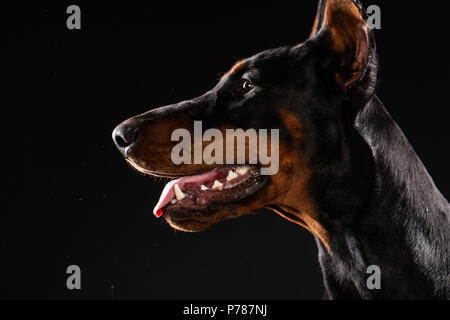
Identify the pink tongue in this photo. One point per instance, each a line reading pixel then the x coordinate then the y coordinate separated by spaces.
pixel 168 193
pixel 166 196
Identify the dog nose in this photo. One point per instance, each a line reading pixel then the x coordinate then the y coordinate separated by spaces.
pixel 124 135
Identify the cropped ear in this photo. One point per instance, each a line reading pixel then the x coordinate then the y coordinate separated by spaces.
pixel 318 22
pixel 345 23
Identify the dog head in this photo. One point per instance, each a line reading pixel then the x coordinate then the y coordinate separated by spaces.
pixel 310 93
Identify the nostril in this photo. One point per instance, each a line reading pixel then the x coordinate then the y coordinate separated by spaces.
pixel 124 135
pixel 121 142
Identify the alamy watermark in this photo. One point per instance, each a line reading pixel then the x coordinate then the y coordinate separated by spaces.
pixel 74 279
pixel 251 143
pixel 374 17
pixel 74 20
pixel 374 280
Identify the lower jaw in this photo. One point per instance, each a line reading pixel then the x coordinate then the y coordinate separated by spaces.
pixel 188 225
pixel 195 221
pixel 191 216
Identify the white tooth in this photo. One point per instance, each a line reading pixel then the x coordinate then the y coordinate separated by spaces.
pixel 173 201
pixel 242 170
pixel 231 175
pixel 178 193
pixel 217 185
pixel 204 188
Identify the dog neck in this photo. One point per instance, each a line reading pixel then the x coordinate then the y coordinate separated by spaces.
pixel 404 226
pixel 382 210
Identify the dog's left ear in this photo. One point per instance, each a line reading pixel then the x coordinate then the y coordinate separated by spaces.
pixel 344 23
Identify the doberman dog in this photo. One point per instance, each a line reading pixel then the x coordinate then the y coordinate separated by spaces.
pixel 346 171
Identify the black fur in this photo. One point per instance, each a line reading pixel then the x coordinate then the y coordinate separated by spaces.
pixel 402 226
pixel 373 195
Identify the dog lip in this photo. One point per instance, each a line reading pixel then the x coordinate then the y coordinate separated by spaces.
pixel 155 173
pixel 158 210
pixel 209 184
pixel 192 215
pixel 165 175
pixel 161 174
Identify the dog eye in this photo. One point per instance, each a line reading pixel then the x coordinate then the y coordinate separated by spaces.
pixel 247 86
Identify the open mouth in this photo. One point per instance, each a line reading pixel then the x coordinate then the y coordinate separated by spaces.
pixel 222 185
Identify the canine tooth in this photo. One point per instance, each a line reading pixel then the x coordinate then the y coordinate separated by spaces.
pixel 231 175
pixel 178 193
pixel 242 170
pixel 217 185
pixel 173 201
pixel 204 188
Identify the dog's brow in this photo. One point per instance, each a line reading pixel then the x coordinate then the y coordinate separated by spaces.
pixel 234 69
pixel 237 66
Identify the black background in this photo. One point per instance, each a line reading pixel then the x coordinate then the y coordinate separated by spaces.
pixel 70 197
